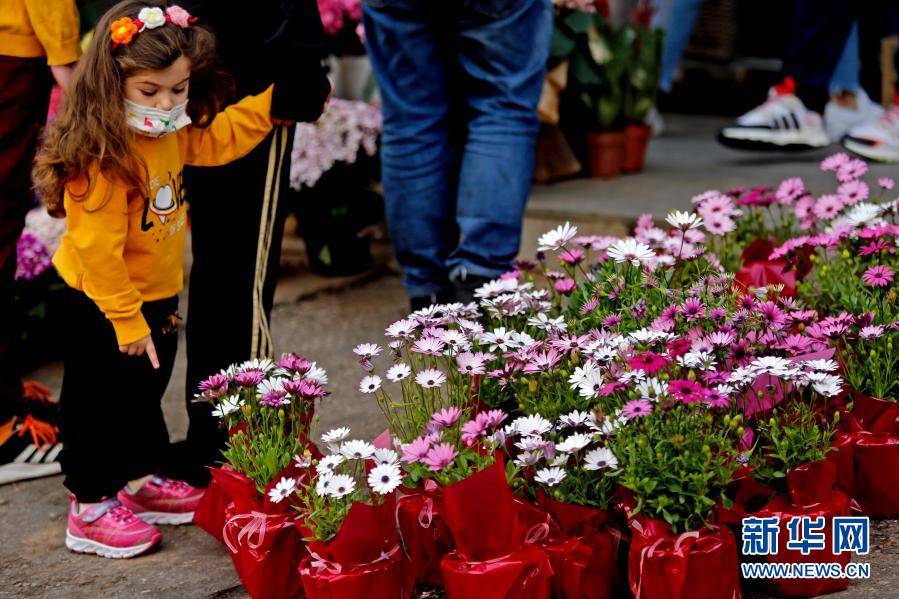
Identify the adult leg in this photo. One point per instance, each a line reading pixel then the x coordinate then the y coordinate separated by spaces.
pixel 111 403
pixel 237 222
pixel 677 19
pixel 24 96
pixel 503 59
pixel 417 161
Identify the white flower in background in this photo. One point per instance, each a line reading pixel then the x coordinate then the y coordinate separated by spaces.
pixel 519 340
pixel 561 459
pixel 652 389
pixel 336 435
pixel 528 458
pixel 317 374
pixel 273 384
pixel 683 220
pixel 828 385
pixel 557 238
pixel 456 342
pixel 574 419
pixel 430 378
pixel 530 443
pixel 282 490
pixel 697 359
pixel 633 376
pixel 401 329
pixel 330 462
pixel 264 365
pixel 861 214
pixel 773 365
pixel 545 323
pixel 496 287
pixel 385 455
pixel 341 485
pixel 534 425
pixel 367 350
pixel 229 405
pixel 600 458
pixel 630 250
pixel 384 478
pixel 645 335
pixel 370 384
pixel 151 17
pixel 591 385
pixel 357 450
pixel 821 365
pixel 550 476
pixel 398 372
pixel 580 374
pixel 498 339
pixel 575 442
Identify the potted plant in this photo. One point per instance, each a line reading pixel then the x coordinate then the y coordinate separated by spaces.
pixel 641 86
pixel 598 63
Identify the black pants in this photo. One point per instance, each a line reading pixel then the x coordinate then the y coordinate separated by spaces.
pixel 820 29
pixel 232 281
pixel 24 96
pixel 111 403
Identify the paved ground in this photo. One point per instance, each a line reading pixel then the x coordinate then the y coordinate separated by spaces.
pixel 325 326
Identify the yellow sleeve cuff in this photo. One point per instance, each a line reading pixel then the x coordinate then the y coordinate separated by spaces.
pixel 130 329
pixel 65 52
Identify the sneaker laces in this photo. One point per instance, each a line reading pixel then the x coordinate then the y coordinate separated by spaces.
pixel 114 509
pixel 42 433
pixel 177 486
pixel 122 514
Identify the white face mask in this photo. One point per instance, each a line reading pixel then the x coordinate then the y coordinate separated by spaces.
pixel 153 122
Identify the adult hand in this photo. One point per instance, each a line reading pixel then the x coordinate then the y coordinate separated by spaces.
pixel 141 347
pixel 63 75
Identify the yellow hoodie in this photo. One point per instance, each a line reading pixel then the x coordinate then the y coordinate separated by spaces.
pixel 34 28
pixel 123 247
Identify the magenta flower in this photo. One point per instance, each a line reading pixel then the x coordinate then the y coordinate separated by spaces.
pixel 309 389
pixel 873 247
pixel 572 256
pixel 686 390
pixel 828 206
pixel 495 417
pixel 636 408
pixel 275 399
pixel 565 286
pixel 215 385
pixel 470 363
pixel 832 163
pixel 692 309
pixel 878 276
pixel 851 170
pixel 886 182
pixel 416 450
pixel 790 190
pixel 440 456
pixel 249 378
pixel 611 321
pixel 589 306
pixel 853 192
pixel 716 399
pixel 648 362
pixel 294 363
pixel 473 429
pixel 446 417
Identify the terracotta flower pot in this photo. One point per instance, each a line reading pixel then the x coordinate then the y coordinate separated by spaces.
pixel 605 153
pixel 636 139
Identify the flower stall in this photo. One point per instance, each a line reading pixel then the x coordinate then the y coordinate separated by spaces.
pixel 600 422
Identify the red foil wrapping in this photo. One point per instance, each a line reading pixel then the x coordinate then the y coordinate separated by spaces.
pixel 426 537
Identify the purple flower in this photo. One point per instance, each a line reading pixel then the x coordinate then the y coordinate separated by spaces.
pixel 692 309
pixel 294 363
pixel 32 257
pixel 687 391
pixel 611 321
pixel 572 256
pixel 565 286
pixel 416 450
pixel 878 276
pixel 215 385
pixel 471 363
pixel 446 417
pixel 249 378
pixel 275 399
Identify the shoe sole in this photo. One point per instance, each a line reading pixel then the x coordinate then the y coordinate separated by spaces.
pixel 16 472
pixel 170 518
pixel 79 545
pixel 744 139
pixel 870 152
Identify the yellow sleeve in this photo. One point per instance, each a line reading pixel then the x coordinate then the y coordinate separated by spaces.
pixel 55 24
pixel 233 133
pixel 97 231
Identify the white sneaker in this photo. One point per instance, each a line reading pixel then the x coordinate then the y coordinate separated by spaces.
pixel 781 123
pixel 878 139
pixel 838 120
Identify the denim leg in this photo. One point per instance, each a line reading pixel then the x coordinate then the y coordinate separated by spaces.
pixel 502 62
pixel 680 16
pixel 417 162
pixel 845 76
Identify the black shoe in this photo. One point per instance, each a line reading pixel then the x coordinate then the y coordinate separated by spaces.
pixel 420 302
pixel 22 459
pixel 466 284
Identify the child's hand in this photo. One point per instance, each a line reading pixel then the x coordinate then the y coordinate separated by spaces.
pixel 141 346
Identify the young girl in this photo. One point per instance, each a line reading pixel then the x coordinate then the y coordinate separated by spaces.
pixel 112 164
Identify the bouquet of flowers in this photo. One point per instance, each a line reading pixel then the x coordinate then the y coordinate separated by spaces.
pixel 348 522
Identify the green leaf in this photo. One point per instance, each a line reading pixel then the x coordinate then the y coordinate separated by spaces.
pixel 561 45
pixel 578 21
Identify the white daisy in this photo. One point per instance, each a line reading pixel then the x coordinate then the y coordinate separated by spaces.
pixel 575 442
pixel 528 458
pixel 324 483
pixel 557 238
pixel 335 435
pixel 302 460
pixel 496 287
pixel 264 365
pixel 821 365
pixel 683 220
pixel 545 323
pixel 317 374
pixel 550 476
pixel 591 385
pixel 341 485
pixel 630 249
pixel 580 374
pixel 574 419
pixel 357 450
pixel 228 405
pixel 599 458
pixel 384 478
pixel 530 443
pixel 330 462
pixel 430 378
pixel 652 388
pixel 384 455
pixel 398 372
pixel 401 328
pixel 282 490
pixel 534 425
pixel 370 384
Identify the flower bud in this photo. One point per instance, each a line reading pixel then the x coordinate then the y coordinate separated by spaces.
pixel 740 432
pixel 532 386
pixel 836 416
pixel 846 255
pixel 772 422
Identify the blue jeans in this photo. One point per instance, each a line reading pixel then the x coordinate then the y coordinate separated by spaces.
pixel 459 83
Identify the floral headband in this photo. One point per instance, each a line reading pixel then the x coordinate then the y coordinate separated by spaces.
pixel 123 30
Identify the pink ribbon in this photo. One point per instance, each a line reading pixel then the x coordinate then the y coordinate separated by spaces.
pixel 426 515
pixel 253 532
pixel 321 564
pixel 537 533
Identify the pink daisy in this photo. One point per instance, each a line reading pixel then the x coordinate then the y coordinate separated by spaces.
pixel 636 408
pixel 851 170
pixel 828 206
pixel 440 456
pixel 832 163
pixel 565 286
pixel 648 362
pixel 719 225
pixel 686 390
pixel 853 192
pixel 789 191
pixel 885 182
pixel 878 276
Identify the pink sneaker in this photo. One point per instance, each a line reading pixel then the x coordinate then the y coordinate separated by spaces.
pixel 110 530
pixel 163 501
